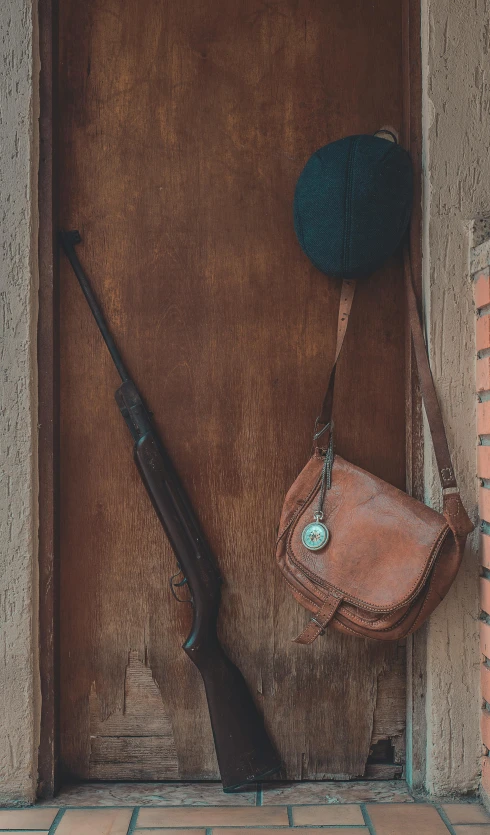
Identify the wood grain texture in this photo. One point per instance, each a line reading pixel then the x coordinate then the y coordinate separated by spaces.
pixel 383 772
pixel 184 128
pixel 136 743
pixel 389 716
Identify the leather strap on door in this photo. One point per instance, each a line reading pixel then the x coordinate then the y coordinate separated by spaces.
pixel 456 515
pixel 346 299
pixel 429 396
pixel 431 403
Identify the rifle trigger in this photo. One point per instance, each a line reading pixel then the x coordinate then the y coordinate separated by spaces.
pixel 177 585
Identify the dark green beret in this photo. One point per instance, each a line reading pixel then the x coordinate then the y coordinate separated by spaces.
pixel 352 204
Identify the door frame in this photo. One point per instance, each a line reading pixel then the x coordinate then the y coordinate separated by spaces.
pixel 48 405
pixel 48 409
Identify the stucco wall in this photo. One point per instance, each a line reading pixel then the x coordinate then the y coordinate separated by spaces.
pixel 456 43
pixel 18 418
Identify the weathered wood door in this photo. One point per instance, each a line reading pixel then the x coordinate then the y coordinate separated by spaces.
pixel 183 128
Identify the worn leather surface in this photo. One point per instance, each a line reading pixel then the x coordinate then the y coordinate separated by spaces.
pixel 367 518
pixel 388 562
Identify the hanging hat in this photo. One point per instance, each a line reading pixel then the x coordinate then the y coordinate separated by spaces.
pixel 352 204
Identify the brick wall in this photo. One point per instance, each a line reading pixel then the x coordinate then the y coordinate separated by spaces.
pixel 480 260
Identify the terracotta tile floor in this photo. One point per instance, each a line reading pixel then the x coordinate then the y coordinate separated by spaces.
pixel 372 808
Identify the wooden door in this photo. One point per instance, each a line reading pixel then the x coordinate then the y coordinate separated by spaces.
pixel 183 128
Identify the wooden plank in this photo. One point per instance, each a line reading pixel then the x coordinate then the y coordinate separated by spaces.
pixel 383 771
pixel 131 751
pixel 137 742
pixel 184 129
pixel 389 716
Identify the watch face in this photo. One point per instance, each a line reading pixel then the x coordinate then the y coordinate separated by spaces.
pixel 315 536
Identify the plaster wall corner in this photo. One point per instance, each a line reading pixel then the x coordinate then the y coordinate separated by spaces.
pixel 456 104
pixel 19 684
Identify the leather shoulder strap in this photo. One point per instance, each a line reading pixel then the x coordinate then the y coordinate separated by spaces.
pixel 454 511
pixel 429 396
pixel 346 299
pixel 458 520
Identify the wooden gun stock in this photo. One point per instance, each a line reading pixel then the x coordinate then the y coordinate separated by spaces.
pixel 244 751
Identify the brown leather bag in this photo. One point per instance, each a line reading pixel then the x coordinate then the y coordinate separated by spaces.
pixel 358 553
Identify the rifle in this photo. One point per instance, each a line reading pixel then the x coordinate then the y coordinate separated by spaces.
pixel 244 751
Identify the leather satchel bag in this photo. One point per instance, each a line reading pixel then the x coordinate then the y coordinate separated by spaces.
pixel 359 554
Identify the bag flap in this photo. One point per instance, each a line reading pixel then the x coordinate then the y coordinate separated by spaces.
pixel 382 542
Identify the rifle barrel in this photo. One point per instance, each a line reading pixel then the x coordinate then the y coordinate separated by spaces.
pixel 68 241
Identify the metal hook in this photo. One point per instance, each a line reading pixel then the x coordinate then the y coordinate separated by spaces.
pixel 389 133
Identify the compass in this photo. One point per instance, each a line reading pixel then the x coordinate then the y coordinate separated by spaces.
pixel 315 535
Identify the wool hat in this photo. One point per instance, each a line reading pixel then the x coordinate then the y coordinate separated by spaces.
pixel 352 204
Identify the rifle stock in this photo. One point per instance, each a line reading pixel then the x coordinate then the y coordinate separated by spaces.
pixel 244 751
pixel 242 747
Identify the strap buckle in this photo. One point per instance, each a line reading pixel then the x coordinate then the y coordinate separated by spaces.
pixel 318 434
pixel 321 625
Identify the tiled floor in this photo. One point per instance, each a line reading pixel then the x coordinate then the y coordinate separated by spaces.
pixel 202 809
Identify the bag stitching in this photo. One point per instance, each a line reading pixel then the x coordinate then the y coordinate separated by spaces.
pixel 390 628
pixel 296 591
pixel 414 624
pixel 369 606
pixel 358 619
pixel 361 622
pixel 364 602
pixel 368 625
pixel 374 634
